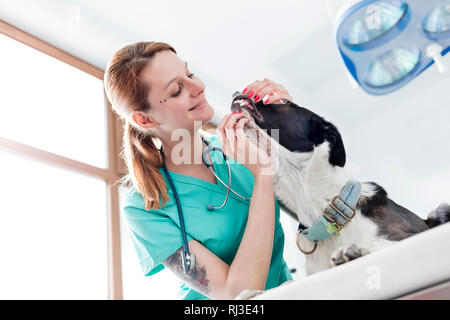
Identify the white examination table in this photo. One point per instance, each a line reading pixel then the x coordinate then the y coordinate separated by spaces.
pixel 415 268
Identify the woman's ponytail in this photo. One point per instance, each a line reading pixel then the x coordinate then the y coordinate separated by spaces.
pixel 143 157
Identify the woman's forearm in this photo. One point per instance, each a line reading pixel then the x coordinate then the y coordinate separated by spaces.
pixel 251 264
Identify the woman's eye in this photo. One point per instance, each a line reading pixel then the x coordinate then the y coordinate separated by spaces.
pixel 176 94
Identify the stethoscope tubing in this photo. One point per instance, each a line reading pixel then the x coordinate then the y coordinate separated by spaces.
pixel 188 260
pixel 229 183
pixel 209 165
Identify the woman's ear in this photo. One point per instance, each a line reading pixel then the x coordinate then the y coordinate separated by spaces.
pixel 143 120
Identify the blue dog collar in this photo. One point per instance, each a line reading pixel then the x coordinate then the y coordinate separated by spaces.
pixel 338 213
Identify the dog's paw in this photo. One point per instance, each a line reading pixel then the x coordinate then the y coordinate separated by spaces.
pixel 248 294
pixel 343 255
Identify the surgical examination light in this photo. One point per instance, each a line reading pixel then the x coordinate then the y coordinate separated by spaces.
pixel 385 44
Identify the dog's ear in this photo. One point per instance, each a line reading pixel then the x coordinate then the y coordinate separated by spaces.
pixel 316 133
pixel 337 149
pixel 321 130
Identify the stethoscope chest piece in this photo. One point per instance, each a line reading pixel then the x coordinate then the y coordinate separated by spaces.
pixel 188 261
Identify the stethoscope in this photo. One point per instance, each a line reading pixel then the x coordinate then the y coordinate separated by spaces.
pixel 188 260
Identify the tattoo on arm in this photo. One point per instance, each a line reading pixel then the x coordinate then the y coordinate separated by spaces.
pixel 196 277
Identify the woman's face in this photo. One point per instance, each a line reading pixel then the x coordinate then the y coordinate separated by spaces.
pixel 171 80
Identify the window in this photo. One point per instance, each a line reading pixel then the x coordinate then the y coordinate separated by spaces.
pixel 52 232
pixel 48 104
pixel 58 237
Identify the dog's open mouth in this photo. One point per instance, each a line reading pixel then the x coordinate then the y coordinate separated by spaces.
pixel 242 103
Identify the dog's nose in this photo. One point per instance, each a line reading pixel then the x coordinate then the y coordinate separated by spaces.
pixel 235 94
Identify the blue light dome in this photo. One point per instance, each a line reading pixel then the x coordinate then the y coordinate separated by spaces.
pixel 438 19
pixel 391 67
pixel 373 21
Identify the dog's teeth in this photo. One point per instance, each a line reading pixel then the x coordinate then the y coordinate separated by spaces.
pixel 242 102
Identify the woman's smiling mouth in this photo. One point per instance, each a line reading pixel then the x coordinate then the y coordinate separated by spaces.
pixel 198 106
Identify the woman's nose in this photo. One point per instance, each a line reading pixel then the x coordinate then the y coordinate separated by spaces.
pixel 197 90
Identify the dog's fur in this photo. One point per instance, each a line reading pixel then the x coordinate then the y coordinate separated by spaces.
pixel 310 168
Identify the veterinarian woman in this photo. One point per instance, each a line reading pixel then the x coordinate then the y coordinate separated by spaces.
pixel 236 247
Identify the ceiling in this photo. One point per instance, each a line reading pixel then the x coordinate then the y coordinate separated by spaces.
pixel 228 44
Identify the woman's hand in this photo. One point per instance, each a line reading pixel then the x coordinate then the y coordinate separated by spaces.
pixel 236 145
pixel 267 89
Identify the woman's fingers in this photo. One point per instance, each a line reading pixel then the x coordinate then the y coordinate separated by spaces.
pixel 227 135
pixel 276 97
pixel 241 141
pixel 241 123
pixel 230 131
pixel 224 134
pixel 236 145
pixel 253 89
pixel 221 132
pixel 266 90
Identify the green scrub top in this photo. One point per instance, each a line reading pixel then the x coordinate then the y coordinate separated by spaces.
pixel 156 234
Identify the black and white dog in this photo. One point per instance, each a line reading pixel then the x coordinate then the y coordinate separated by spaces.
pixel 310 169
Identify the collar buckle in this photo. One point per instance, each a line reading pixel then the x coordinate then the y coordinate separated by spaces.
pixel 332 220
pixel 340 210
pixel 299 232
